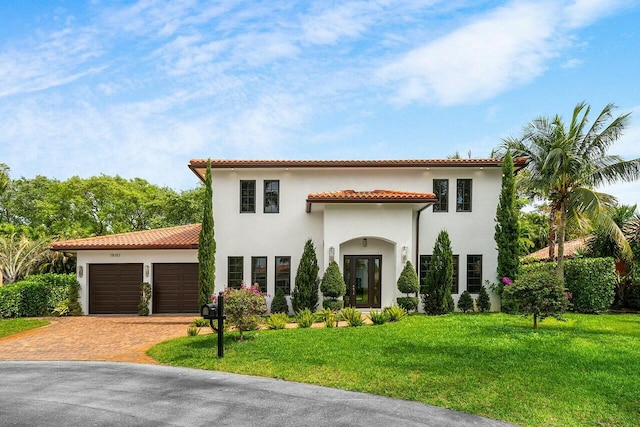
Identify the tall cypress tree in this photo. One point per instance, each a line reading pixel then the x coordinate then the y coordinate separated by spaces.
pixel 507 227
pixel 437 291
pixel 207 245
pixel 305 293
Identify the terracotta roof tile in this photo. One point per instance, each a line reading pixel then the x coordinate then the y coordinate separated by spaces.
pixel 181 237
pixel 375 195
pixel 570 249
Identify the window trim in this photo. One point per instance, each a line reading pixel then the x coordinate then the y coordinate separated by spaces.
pixel 287 289
pixel 266 182
pixel 461 209
pixel 436 206
pixel 455 280
pixel 247 181
pixel 266 272
pixel 241 258
pixel 479 286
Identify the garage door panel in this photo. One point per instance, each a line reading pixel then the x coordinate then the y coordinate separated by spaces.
pixel 114 288
pixel 175 288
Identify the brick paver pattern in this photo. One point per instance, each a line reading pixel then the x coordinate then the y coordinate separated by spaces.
pixel 97 338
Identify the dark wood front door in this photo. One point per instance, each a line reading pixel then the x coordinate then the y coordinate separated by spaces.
pixel 362 275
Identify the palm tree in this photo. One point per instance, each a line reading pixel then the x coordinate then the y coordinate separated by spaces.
pixel 567 163
pixel 20 255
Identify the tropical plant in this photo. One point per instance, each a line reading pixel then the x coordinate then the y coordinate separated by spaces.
pixel 145 298
pixel 305 292
pixel 329 317
pixel 20 256
pixel 507 228
pixel 378 317
pixel 394 313
pixel 277 321
pixel 566 163
pixel 465 302
pixel 207 245
pixel 279 303
pixel 333 287
pixel 244 308
pixel 305 318
pixel 352 316
pixel 193 331
pixel 436 298
pixel 483 302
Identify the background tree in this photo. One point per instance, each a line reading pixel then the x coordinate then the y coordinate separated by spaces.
pixel 566 164
pixel 305 292
pixel 437 291
pixel 507 230
pixel 207 245
pixel 408 283
pixel 333 287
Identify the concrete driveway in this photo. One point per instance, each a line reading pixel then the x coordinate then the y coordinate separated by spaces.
pixel 107 394
pixel 102 338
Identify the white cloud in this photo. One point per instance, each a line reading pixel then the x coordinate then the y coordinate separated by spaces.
pixel 584 12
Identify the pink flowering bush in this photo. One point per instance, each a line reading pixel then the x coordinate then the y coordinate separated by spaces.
pixel 244 307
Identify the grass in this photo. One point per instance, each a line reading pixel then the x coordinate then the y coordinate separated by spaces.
pixel 580 372
pixel 13 326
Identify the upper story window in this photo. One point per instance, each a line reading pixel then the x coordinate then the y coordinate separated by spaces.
pixel 441 190
pixel 474 273
pixel 283 274
pixel 463 195
pixel 235 267
pixel 271 196
pixel 247 196
pixel 259 272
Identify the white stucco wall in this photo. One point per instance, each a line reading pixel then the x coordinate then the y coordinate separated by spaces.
pixel 284 233
pixel 145 257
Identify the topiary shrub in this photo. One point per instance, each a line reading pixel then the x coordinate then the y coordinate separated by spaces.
pixel 537 293
pixel 333 287
pixel 483 302
pixel 333 304
pixel 244 308
pixel 279 302
pixel 408 304
pixel 465 302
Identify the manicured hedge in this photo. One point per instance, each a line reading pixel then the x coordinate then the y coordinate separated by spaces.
pixel 36 295
pixel 591 282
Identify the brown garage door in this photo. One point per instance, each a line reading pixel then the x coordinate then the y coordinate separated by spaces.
pixel 114 288
pixel 175 288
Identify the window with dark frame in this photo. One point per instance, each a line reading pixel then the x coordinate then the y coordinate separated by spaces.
pixel 463 195
pixel 247 196
pixel 235 267
pixel 424 267
pixel 474 273
pixel 441 190
pixel 283 274
pixel 271 196
pixel 259 272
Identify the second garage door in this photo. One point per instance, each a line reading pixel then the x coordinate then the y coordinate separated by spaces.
pixel 114 288
pixel 175 288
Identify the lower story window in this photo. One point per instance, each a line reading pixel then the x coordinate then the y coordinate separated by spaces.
pixel 259 272
pixel 456 269
pixel 235 267
pixel 283 274
pixel 474 273
pixel 424 267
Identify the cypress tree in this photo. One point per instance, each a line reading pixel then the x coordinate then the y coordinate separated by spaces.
pixel 305 292
pixel 483 301
pixel 437 297
pixel 207 245
pixel 507 227
pixel 279 303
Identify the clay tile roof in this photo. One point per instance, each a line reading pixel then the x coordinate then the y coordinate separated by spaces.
pixel 375 196
pixel 181 237
pixel 570 249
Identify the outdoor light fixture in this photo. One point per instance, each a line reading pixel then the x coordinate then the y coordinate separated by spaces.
pixel 146 271
pixel 80 271
pixel 364 242
pixel 405 251
pixel 332 253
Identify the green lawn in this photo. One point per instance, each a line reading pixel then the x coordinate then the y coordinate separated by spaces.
pixel 585 371
pixel 13 326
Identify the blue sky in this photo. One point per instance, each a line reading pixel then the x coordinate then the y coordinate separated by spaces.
pixel 140 88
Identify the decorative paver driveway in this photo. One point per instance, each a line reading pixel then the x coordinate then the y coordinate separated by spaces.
pixel 99 338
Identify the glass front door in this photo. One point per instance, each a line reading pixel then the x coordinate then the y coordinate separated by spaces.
pixel 362 276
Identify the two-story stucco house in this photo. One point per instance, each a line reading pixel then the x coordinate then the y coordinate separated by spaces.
pixel 370 216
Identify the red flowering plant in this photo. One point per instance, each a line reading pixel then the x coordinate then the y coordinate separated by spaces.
pixel 244 307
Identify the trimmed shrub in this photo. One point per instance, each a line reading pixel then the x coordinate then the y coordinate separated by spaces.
pixel 408 304
pixel 279 303
pixel 352 316
pixel 591 281
pixel 332 285
pixel 632 297
pixel 378 317
pixel 483 302
pixel 394 313
pixel 465 303
pixel 277 320
pixel 38 295
pixel 537 293
pixel 333 304
pixel 244 308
